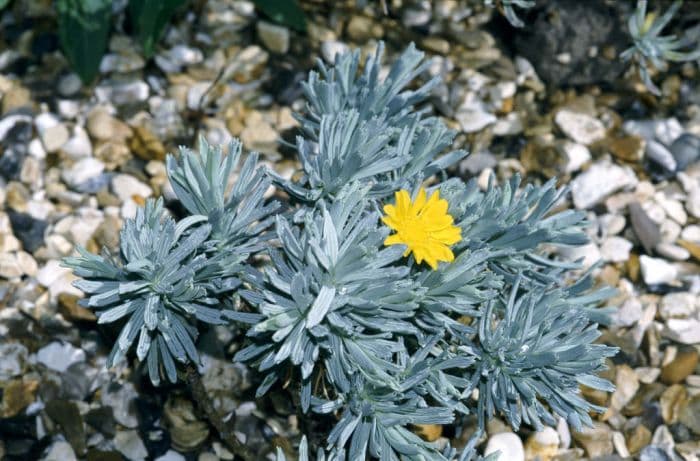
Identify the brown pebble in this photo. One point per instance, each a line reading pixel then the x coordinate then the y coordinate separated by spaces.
pixel 429 432
pixel 70 309
pixel 680 367
pixel 637 438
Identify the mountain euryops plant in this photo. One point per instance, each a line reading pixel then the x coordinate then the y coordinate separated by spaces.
pixel 382 295
pixel 651 48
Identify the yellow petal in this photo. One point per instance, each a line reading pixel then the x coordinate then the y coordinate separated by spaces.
pixel 393 240
pixel 403 202
pixel 390 210
pixel 419 203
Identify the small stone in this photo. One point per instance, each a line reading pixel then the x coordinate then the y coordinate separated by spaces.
pixel 31 173
pixel 508 444
pixel 637 438
pixel 628 314
pixel 17 196
pixel 673 208
pixel 575 155
pixel 416 15
pixel 274 37
pixel 68 108
pixel 580 127
pixel 645 228
pixel 78 146
pixel 680 367
pixel 17 395
pixel 473 120
pixel 596 440
pixel 170 455
pixel 67 415
pixel 16 98
pixel 330 48
pixel 684 331
pixel 69 84
pixel 69 308
pixel 29 231
pixel 674 252
pixel 657 271
pixel 146 145
pixel 258 134
pixel 692 248
pixel 615 249
pixel 82 171
pixel 359 28
pixel 692 203
pixel 249 64
pixel 690 414
pixel 647 375
pixel 59 356
pixel 9 266
pixel 619 443
pixel 186 430
pixel 60 451
pixel 685 150
pixel 679 305
pixel 113 154
pixel 121 399
pixel 429 432
pixel 542 445
pixel 661 157
pixel 626 386
pixel 611 224
pixel 130 445
pixel 121 63
pixel 178 56
pixel 670 231
pixel 13 356
pixel 54 137
pixel 600 180
pixel 126 187
pixel 654 453
pixel 671 401
pixel 121 93
pixel 628 148
pixel 104 127
pixel 440 46
pixel 691 233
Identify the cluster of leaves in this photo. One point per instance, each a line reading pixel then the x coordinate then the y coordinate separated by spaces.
pixel 84 29
pixel 652 49
pixel 362 335
pixel 170 277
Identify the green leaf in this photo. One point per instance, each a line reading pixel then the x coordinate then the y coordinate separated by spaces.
pixel 4 3
pixel 83 28
pixel 149 18
pixel 286 12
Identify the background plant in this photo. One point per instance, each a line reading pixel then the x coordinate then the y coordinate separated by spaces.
pixel 83 28
pixel 653 49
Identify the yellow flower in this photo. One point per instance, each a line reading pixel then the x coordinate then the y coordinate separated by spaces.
pixel 424 226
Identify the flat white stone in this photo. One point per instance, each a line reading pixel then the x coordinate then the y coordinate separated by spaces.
pixel 59 356
pixel 657 270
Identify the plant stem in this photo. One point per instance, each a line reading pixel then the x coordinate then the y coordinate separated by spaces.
pixel 215 418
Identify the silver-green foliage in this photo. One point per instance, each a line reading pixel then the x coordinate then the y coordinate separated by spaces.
pixel 393 343
pixel 156 284
pixel 170 276
pixel 652 48
pixel 367 340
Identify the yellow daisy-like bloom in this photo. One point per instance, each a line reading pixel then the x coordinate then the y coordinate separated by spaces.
pixel 424 226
